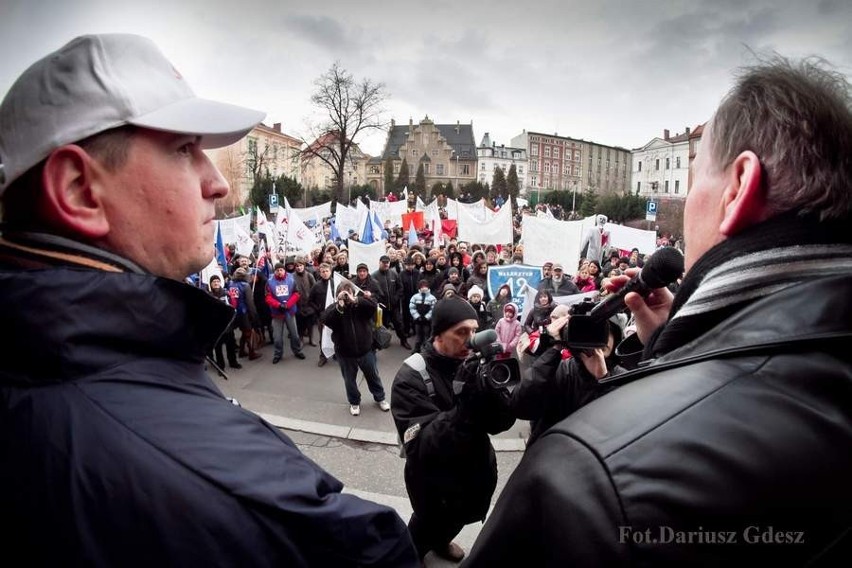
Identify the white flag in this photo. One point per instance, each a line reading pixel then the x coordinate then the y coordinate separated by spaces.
pixel 244 243
pixel 299 236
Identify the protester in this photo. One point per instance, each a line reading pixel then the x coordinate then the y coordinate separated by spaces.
pixel 727 447
pixel 282 299
pixel 306 316
pixel 389 297
pixel 558 284
pixel 242 300
pixel 450 468
pixel 318 296
pixel 474 296
pixel 497 305
pixel 117 448
pixel 227 339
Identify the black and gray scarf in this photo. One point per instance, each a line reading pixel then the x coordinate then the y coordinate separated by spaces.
pixel 782 252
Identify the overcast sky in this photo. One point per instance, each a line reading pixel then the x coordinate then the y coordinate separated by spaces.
pixel 616 72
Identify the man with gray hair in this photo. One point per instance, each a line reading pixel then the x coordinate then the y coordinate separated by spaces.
pixel 117 447
pixel 730 444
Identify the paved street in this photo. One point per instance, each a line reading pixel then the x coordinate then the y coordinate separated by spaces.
pixel 309 403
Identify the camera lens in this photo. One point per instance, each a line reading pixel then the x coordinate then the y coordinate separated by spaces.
pixel 500 374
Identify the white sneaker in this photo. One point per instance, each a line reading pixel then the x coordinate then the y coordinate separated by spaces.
pixel 355 410
pixel 384 405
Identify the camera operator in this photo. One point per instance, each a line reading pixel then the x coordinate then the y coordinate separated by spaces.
pixel 556 387
pixel 451 468
pixel 350 319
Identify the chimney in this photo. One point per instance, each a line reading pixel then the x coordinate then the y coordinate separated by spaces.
pixel 687 131
pixel 393 123
pixel 666 134
pixel 277 127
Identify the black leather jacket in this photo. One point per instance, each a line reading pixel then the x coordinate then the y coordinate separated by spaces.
pixel 743 435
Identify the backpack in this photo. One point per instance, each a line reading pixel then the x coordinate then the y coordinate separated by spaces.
pixel 418 363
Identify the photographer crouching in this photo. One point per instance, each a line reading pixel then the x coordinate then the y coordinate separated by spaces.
pixel 444 406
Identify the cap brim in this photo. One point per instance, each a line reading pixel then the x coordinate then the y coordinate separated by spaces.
pixel 218 124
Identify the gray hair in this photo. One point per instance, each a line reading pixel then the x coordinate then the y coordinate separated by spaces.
pixel 796 117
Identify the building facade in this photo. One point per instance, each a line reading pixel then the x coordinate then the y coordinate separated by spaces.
pixel 661 168
pixel 318 174
pixel 263 149
pixel 446 151
pixel 490 156
pixel 560 163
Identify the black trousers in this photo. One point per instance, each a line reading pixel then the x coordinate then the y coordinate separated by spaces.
pixel 429 533
pixel 229 341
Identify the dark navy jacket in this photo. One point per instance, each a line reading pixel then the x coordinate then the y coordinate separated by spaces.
pixel 118 450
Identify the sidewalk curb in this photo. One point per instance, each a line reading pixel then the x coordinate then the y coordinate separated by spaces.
pixel 365 435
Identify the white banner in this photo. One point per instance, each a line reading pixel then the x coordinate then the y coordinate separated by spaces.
pixel 431 212
pixel 390 211
pixel 452 209
pixel 549 240
pixel 496 231
pixel 529 302
pixel 208 271
pixel 368 254
pixel 476 210
pixel 326 344
pixel 317 212
pixel 627 238
pixel 229 227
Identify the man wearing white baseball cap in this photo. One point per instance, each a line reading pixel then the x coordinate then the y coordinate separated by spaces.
pixel 118 449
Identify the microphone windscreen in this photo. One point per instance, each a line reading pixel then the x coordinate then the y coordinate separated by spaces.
pixel 664 267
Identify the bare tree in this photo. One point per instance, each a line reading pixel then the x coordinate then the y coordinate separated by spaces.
pixel 350 107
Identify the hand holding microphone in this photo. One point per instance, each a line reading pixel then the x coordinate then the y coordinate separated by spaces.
pixel 644 292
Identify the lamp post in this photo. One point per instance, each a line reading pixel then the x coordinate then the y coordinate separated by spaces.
pixel 573 198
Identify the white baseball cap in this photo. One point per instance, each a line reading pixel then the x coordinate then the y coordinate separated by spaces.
pixel 98 82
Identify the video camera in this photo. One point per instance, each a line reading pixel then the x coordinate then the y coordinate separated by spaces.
pixel 584 331
pixel 498 373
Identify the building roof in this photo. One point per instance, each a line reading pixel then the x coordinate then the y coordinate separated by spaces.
pixel 458 136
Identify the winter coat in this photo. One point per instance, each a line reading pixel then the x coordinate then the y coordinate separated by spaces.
pixel 747 426
pixel 282 296
pixel 351 326
pixel 508 333
pixel 304 282
pixel 451 468
pixel 119 450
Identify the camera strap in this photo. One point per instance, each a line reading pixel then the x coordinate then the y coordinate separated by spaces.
pixel 418 363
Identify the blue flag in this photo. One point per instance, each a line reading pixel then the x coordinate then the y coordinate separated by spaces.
pixel 412 235
pixel 367 232
pixel 378 228
pixel 220 249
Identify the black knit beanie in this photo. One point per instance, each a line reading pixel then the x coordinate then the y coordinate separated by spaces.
pixel 450 311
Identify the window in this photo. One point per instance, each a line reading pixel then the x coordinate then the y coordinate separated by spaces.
pixel 547 151
pixel 426 169
pixel 534 166
pixel 677 163
pixel 434 152
pixel 465 169
pixel 534 151
pixel 520 169
pixel 375 169
pixel 677 186
pixel 483 167
pixel 547 167
pixel 640 165
pixel 533 181
pixel 414 151
pixel 657 166
pixel 396 168
pixel 638 187
pixel 668 163
pixel 666 187
pixel 439 169
pixel 578 171
pixel 556 152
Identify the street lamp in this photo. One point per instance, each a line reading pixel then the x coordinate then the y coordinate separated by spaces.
pixel 573 198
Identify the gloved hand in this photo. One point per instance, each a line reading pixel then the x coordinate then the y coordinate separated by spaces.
pixel 480 405
pixel 292 301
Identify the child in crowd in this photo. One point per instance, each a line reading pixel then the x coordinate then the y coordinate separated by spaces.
pixel 420 305
pixel 509 329
pixel 474 296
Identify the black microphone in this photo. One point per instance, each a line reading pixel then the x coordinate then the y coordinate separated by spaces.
pixel 481 339
pixel 664 267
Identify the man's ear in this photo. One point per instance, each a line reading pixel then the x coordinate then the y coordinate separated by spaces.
pixel 744 198
pixel 73 186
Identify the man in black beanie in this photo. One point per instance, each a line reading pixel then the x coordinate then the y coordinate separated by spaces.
pixel 444 413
